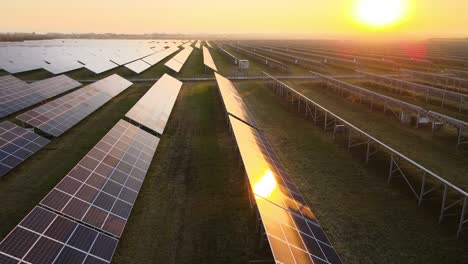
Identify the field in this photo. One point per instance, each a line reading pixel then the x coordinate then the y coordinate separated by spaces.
pixel 194 206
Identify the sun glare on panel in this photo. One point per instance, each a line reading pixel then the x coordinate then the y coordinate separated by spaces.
pixel 266 185
pixel 380 13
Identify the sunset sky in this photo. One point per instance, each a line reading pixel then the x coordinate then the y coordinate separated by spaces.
pixel 292 18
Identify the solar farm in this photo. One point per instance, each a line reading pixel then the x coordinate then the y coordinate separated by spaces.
pixel 233 151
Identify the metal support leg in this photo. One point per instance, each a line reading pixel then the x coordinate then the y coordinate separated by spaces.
pixel 442 207
pixel 391 169
pixel 462 217
pixel 421 193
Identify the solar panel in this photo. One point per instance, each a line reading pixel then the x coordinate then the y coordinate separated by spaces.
pixel 61 114
pixel 19 65
pixel 208 60
pixel 10 82
pixel 101 189
pixel 96 64
pixel 154 108
pixel 47 237
pixel 16 145
pixel 174 65
pixel 178 61
pixel 155 58
pixel 138 66
pixel 61 63
pixel 21 96
pixel 290 226
pixel 233 103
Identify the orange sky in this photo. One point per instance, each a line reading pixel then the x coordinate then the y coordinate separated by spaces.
pixel 292 18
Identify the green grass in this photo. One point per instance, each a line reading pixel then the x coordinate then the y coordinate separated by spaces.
pixel 193 207
pixel 367 220
pixel 194 66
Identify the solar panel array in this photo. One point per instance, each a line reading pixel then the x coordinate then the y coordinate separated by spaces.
pixel 298 60
pixel 321 58
pixel 16 145
pixel 102 188
pixel 290 226
pixel 61 114
pixel 59 56
pixel 178 61
pixel 441 78
pixel 458 99
pixel 99 192
pixel 47 237
pixel 157 57
pixel 336 56
pixel 154 108
pixel 232 101
pixel 198 44
pixel 208 60
pixel 16 95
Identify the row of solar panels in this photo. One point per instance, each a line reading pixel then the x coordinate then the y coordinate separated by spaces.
pixel 61 56
pixel 16 95
pixel 143 64
pixel 289 225
pixel 54 117
pixel 178 61
pixel 208 59
pixel 403 108
pixel 83 217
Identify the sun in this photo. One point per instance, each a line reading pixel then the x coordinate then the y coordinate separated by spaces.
pixel 380 13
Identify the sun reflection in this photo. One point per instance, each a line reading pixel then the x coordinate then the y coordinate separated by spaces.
pixel 266 185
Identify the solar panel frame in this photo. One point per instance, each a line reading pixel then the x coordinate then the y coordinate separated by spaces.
pixel 16 145
pixel 154 108
pixel 102 188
